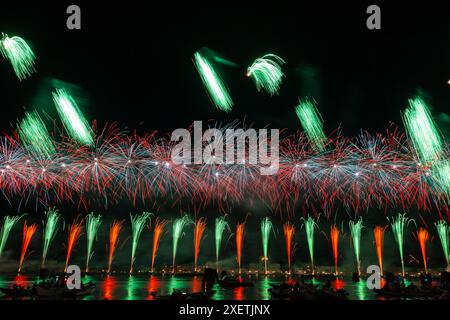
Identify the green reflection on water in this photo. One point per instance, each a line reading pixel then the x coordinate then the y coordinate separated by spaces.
pixel 264 291
pixel 173 284
pixel 131 288
pixel 361 290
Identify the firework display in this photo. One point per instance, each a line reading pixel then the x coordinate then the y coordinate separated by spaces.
pixel 19 54
pixel 220 226
pixel 8 224
pixel 378 234
pixel 93 222
pixel 137 225
pixel 399 226
pixel 177 232
pixel 74 233
pixel 267 74
pixel 312 123
pixel 214 85
pixel 355 230
pixel 329 176
pixel 50 228
pixel 114 232
pixel 158 231
pixel 28 233
pixel 266 228
pixel 72 118
pixel 199 229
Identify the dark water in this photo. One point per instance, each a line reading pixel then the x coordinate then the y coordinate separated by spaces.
pixel 139 287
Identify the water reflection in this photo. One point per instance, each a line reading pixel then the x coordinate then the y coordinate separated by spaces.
pixel 153 287
pixel 108 287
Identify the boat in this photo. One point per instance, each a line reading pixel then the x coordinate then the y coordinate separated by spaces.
pixel 49 290
pixel 16 292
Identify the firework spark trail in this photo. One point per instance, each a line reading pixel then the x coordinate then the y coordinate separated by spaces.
pixel 74 233
pixel 8 224
pixel 137 225
pixel 114 232
pixel 289 231
pixel 399 226
pixel 240 228
pixel 199 229
pixel 177 232
pixel 378 233
pixel 19 54
pixel 312 123
pixel 266 228
pixel 422 237
pixel 214 85
pixel 356 173
pixel 334 235
pixel 220 226
pixel 160 225
pixel 310 225
pixel 28 233
pixel 443 230
pixel 72 118
pixel 267 74
pixel 422 130
pixel 93 222
pixel 34 135
pixel 355 230
pixel 50 228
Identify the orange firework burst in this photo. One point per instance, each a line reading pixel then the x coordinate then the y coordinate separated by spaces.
pixel 28 233
pixel 160 225
pixel 239 241
pixel 114 232
pixel 378 233
pixel 199 229
pixel 334 234
pixel 423 236
pixel 289 230
pixel 74 233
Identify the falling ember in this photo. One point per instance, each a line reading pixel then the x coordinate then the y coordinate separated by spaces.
pixel 221 225
pixel 399 225
pixel 266 227
pixel 443 230
pixel 8 224
pixel 50 227
pixel 312 123
pixel 267 73
pixel 199 229
pixel 72 117
pixel 177 232
pixel 74 233
pixel 289 230
pixel 158 231
pixel 355 230
pixel 137 225
pixel 422 236
pixel 310 225
pixel 28 233
pixel 93 222
pixel 214 85
pixel 114 232
pixel 19 54
pixel 239 242
pixel 378 233
pixel 334 234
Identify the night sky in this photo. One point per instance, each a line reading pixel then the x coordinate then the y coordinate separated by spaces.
pixel 133 64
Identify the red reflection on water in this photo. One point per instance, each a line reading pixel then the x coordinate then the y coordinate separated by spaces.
pixel 21 280
pixel 153 286
pixel 109 285
pixel 339 284
pixel 238 293
pixel 196 284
